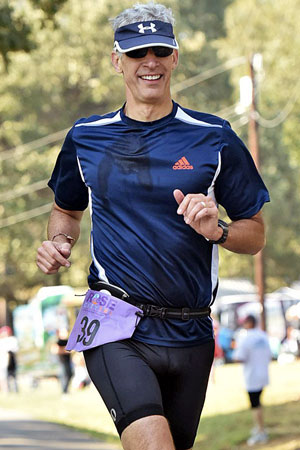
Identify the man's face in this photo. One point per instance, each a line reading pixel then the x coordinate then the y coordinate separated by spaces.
pixel 147 79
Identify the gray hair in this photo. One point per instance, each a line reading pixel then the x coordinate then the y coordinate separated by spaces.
pixel 142 12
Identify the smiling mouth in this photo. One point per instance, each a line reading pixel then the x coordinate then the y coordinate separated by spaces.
pixel 150 77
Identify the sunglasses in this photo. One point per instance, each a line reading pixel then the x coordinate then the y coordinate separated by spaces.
pixel 160 52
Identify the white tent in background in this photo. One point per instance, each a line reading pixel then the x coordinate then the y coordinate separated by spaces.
pixel 235 286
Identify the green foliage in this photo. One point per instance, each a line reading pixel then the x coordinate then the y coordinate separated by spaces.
pixel 16 28
pixel 49 7
pixel 269 28
pixel 199 25
pixel 14 32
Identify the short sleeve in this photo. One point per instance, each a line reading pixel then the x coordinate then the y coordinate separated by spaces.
pixel 238 187
pixel 70 191
pixel 241 351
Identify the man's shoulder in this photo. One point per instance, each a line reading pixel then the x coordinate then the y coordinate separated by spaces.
pixel 98 120
pixel 201 117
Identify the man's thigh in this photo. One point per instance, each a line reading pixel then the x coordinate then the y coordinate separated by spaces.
pixel 126 383
pixel 184 391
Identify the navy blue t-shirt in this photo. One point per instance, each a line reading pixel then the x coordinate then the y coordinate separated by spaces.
pixel 128 171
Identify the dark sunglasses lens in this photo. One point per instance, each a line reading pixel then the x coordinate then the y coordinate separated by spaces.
pixel 160 52
pixel 139 53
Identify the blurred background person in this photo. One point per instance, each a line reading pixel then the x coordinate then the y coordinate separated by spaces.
pixel 289 348
pixel 226 342
pixel 64 359
pixel 253 350
pixel 218 354
pixel 290 345
pixel 8 360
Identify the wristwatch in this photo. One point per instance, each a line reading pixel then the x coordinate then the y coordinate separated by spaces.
pixel 225 228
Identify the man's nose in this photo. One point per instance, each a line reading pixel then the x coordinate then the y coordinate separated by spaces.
pixel 151 59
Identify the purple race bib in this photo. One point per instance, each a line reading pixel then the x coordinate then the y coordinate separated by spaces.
pixel 102 318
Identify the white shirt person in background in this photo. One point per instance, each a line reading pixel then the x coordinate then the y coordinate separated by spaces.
pixel 253 350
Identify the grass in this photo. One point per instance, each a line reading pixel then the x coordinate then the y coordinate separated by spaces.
pixel 226 417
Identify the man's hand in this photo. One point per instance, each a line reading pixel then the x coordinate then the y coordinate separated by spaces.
pixel 199 212
pixel 53 255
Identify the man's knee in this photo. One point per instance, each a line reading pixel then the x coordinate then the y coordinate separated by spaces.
pixel 148 433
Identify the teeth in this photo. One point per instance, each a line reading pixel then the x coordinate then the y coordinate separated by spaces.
pixel 150 77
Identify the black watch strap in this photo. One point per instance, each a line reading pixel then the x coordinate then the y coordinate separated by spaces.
pixel 225 228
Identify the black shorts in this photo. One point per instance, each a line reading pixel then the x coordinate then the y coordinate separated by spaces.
pixel 254 398
pixel 137 380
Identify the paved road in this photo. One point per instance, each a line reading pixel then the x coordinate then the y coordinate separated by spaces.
pixel 20 432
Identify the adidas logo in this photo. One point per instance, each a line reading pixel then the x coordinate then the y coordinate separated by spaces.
pixel 182 164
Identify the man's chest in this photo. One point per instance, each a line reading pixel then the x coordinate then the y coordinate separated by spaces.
pixel 135 162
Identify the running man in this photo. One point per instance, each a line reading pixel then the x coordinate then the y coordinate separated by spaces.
pixel 154 173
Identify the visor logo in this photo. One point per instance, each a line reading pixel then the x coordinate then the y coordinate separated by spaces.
pixel 151 27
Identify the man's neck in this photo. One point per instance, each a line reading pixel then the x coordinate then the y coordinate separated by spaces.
pixel 144 112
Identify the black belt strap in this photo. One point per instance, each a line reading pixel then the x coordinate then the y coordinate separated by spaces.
pixel 152 310
pixel 171 313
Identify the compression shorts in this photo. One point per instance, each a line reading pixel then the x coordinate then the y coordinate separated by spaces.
pixel 137 380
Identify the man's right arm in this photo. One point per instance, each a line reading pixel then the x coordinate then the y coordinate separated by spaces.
pixel 63 232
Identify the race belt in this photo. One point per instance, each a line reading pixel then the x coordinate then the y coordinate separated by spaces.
pixel 148 309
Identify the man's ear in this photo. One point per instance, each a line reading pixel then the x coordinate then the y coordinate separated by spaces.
pixel 116 62
pixel 175 56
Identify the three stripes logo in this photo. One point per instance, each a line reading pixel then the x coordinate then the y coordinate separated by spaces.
pixel 183 164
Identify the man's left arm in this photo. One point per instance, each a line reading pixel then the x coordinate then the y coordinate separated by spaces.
pixel 201 213
pixel 246 235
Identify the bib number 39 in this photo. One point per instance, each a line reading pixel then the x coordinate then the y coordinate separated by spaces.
pixel 88 330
